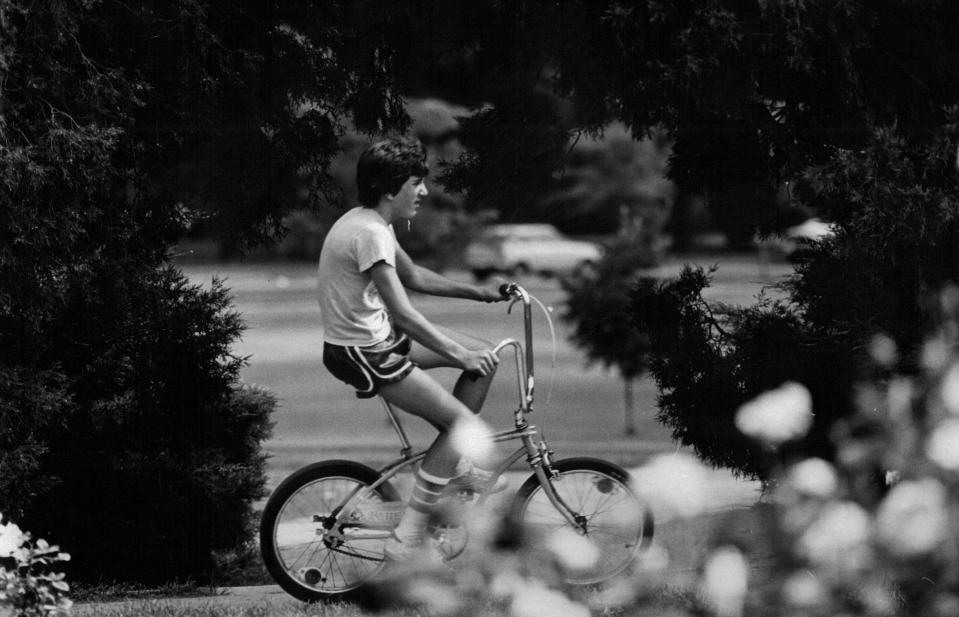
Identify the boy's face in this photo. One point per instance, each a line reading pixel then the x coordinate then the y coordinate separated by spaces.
pixel 407 199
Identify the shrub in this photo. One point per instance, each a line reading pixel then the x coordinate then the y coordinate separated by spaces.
pixel 159 463
pixel 825 538
pixel 893 203
pixel 709 359
pixel 28 585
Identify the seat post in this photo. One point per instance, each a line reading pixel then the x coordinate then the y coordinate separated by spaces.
pixel 407 449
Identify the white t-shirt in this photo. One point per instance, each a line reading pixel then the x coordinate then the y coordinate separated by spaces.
pixel 352 309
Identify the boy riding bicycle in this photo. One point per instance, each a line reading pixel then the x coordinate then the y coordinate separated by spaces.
pixel 377 342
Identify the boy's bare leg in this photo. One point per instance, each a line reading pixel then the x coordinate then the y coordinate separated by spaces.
pixel 420 395
pixel 470 390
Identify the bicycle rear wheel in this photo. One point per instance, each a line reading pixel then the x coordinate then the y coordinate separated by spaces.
pixel 311 551
pixel 599 496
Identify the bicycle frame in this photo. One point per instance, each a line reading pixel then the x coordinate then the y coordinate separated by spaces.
pixel 538 456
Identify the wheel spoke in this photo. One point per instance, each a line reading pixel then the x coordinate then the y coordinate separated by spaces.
pixel 615 519
pixel 299 543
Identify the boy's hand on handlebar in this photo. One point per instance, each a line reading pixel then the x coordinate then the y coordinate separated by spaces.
pixel 481 362
pixel 493 292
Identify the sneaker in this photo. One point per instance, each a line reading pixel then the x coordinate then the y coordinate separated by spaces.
pixel 396 550
pixel 478 480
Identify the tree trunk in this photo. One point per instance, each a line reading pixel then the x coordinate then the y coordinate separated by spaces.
pixel 629 407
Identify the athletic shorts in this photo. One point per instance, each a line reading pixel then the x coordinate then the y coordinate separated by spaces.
pixel 368 368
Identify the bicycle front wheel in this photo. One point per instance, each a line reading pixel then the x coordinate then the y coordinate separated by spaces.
pixel 314 550
pixel 598 496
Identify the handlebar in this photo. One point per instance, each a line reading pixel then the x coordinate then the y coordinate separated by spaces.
pixel 515 292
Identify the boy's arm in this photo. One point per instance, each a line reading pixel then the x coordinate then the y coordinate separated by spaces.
pixel 411 321
pixel 428 282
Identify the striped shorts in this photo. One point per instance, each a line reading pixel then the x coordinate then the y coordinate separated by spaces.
pixel 368 368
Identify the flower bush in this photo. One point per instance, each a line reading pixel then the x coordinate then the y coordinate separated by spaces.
pixel 873 532
pixel 29 586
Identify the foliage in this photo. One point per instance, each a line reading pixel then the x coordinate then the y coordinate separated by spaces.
pixel 825 538
pixel 710 359
pixel 598 306
pixel 871 158
pixel 519 142
pixel 757 92
pixel 122 421
pixel 621 181
pixel 895 201
pixel 158 425
pixel 28 586
pixel 613 185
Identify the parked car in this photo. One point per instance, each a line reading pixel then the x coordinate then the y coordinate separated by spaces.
pixel 528 248
pixel 793 241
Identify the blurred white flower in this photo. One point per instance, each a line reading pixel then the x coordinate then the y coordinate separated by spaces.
pixel 725 581
pixel 505 584
pixel 777 415
pixel 912 520
pixel 883 350
pixel 433 597
pixel 674 485
pixel 936 353
pixel 653 559
pixel 813 477
pixel 879 598
pixel 11 537
pixel 804 590
pixel 836 539
pixel 573 552
pixel 900 396
pixel 473 440
pixel 942 447
pixel 538 601
pixel 949 389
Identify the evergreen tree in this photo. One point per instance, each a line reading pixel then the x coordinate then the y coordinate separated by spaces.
pixel 857 103
pixel 124 429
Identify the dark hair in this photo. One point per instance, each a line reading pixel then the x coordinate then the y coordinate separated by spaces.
pixel 386 165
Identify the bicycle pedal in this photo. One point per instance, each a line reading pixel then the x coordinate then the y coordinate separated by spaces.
pixel 449 540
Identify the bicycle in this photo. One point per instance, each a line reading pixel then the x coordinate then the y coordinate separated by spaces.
pixel 323 529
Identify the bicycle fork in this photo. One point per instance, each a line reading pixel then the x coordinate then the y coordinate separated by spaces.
pixel 539 457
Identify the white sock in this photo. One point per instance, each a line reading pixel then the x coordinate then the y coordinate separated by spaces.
pixel 427 489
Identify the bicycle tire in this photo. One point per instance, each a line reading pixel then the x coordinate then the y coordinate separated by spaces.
pixel 618 524
pixel 293 542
